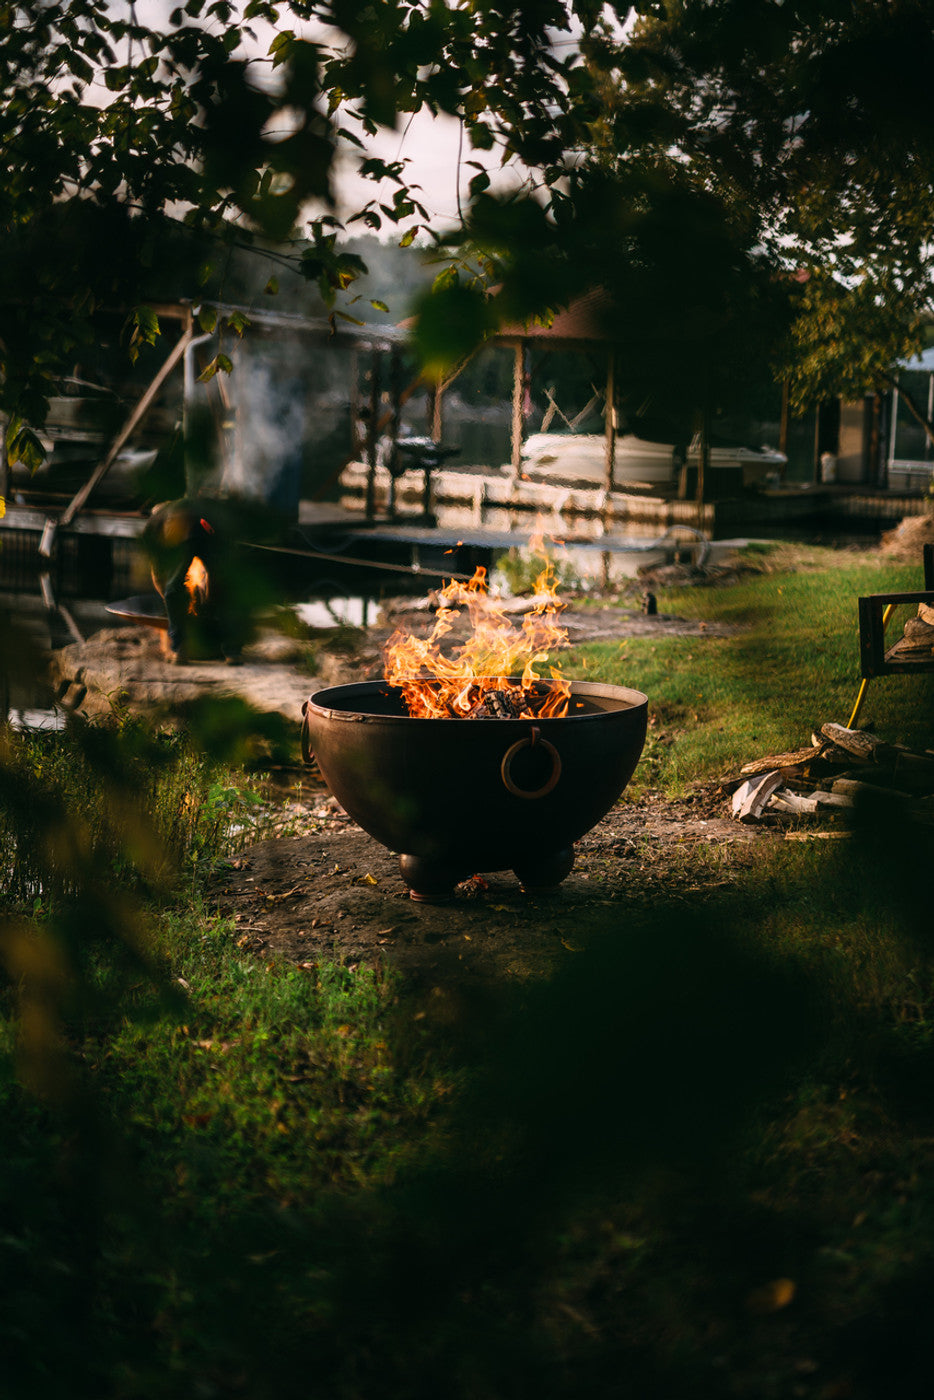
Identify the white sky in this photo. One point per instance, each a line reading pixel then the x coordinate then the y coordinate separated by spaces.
pixel 428 144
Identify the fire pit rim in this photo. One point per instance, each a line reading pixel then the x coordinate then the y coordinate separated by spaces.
pixel 632 699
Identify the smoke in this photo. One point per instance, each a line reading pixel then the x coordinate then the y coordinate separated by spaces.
pixel 262 426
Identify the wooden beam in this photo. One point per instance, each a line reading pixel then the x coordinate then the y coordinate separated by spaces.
pixel 610 420
pixel 372 432
pixel 437 412
pixel 518 405
pixel 129 427
pixel 703 454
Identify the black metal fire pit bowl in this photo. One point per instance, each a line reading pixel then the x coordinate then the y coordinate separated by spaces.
pixel 455 797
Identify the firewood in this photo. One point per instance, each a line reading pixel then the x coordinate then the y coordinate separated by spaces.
pixel 856 742
pixel 796 804
pixel 837 757
pixel 501 704
pixel 917 766
pixel 918 640
pixel 852 787
pixel 749 800
pixel 495 704
pixel 832 799
pixel 926 613
pixel 796 758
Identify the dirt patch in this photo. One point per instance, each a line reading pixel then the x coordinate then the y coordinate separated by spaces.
pixel 331 891
pixel 125 668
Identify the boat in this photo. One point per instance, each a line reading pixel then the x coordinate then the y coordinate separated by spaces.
pixel 580 459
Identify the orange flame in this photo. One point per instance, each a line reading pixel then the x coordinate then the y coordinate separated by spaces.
pixel 457 685
pixel 196 581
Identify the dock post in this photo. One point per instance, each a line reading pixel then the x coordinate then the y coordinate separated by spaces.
pixel 518 406
pixel 372 433
pixel 610 420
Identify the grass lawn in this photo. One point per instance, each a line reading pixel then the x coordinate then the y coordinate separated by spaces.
pixel 696 1162
pixel 718 703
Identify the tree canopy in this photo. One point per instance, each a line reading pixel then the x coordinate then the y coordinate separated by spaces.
pixel 755 187
pixel 749 179
pixel 231 118
pixel 809 119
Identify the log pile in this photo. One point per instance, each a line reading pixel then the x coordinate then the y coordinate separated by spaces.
pixel 839 768
pixel 917 644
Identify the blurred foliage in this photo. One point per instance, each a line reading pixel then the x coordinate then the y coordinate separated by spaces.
pixel 691 1114
pixel 807 121
pixel 695 1157
pixel 522 569
pixel 703 165
pixel 110 806
pixel 231 116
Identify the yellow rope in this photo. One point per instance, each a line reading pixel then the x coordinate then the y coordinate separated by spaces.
pixel 887 613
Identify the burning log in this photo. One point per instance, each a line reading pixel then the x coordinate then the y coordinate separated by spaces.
pixel 496 704
pixel 440 685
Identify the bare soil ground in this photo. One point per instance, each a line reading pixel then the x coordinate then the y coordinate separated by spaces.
pixel 332 891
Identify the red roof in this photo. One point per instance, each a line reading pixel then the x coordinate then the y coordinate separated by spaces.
pixel 591 317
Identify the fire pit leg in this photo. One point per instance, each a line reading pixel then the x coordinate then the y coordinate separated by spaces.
pixel 429 881
pixel 543 874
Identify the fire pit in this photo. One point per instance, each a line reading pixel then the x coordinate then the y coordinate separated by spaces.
pixel 459 796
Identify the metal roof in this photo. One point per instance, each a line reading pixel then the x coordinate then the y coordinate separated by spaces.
pixel 592 317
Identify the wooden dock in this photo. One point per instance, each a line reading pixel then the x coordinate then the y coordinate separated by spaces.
pixel 473 497
pixel 476 516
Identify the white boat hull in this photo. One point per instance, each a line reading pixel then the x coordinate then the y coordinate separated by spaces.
pixel 580 458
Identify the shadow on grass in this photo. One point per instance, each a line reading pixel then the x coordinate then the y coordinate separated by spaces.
pixel 606 1207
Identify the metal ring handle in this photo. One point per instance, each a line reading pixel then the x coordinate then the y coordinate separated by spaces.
pixel 308 753
pixel 529 742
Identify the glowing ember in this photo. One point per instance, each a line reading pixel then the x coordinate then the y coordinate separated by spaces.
pixel 476 678
pixel 196 581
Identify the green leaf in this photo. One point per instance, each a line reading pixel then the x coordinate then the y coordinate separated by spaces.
pixel 447 277
pixel 481 137
pixel 281 46
pixel 220 364
pixel 24 445
pixel 451 322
